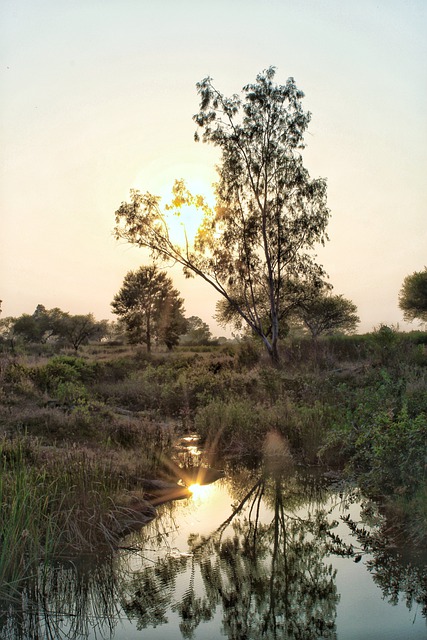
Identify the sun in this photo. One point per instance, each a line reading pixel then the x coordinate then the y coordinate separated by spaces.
pixel 200 491
pixel 158 178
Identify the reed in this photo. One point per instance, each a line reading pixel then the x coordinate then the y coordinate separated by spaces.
pixel 29 532
pixel 53 506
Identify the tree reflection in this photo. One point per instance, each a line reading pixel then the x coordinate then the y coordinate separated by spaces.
pixel 270 579
pixel 395 575
pixel 264 570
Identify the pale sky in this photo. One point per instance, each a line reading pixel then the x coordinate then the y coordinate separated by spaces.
pixel 97 97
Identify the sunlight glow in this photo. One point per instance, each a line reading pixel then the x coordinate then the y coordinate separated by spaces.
pixel 159 180
pixel 200 491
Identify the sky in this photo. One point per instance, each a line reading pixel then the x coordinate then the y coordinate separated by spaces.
pixel 97 97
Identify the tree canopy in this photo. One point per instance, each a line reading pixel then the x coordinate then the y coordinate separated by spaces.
pixel 40 326
pixel 269 213
pixel 326 313
pixel 198 332
pixel 54 325
pixel 413 296
pixel 150 307
pixel 80 329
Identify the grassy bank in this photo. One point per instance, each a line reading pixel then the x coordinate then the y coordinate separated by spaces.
pixel 77 434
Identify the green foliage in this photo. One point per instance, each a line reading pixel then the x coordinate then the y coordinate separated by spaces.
pixel 241 424
pixel 46 325
pixel 80 329
pixel 150 308
pixel 236 425
pixel 71 393
pixel 71 503
pixel 385 341
pixel 325 313
pixel 380 432
pixel 63 370
pixel 25 523
pixel 248 353
pixel 41 326
pixel 390 452
pixel 198 332
pixel 413 296
pixel 355 400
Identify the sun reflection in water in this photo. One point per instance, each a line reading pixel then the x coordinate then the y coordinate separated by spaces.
pixel 200 491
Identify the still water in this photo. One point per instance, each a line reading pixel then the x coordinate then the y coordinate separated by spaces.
pixel 253 555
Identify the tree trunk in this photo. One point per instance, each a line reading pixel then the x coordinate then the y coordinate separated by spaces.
pixel 274 354
pixel 148 331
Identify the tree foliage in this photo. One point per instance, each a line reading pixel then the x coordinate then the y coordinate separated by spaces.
pixel 198 332
pixel 295 293
pixel 269 213
pixel 413 296
pixel 40 326
pixel 325 313
pixel 80 329
pixel 54 325
pixel 150 307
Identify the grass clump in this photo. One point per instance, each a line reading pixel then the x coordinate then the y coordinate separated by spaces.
pixel 28 531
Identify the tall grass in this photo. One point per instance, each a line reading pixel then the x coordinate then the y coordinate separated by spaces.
pixel 58 505
pixel 29 531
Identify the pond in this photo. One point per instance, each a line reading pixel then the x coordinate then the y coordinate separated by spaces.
pixel 256 554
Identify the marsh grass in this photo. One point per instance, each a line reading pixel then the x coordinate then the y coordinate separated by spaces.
pixel 61 502
pixel 28 531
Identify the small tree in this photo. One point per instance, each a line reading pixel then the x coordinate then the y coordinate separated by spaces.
pixel 150 307
pixel 171 322
pixel 7 332
pixel 413 296
pixel 295 292
pixel 327 314
pixel 80 329
pixel 269 213
pixel 198 332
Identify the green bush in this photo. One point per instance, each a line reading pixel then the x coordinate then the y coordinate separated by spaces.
pixel 64 369
pixel 391 450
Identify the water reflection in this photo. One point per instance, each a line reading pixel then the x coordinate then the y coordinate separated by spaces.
pixel 200 491
pixel 266 571
pixel 67 600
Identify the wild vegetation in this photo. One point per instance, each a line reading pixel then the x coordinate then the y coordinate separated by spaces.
pixel 79 433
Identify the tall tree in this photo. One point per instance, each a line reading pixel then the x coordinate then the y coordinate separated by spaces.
pixel 150 307
pixel 413 296
pixel 269 213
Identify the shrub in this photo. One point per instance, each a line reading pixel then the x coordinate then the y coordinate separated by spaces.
pixel 248 353
pixel 65 369
pixel 390 451
pixel 234 425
